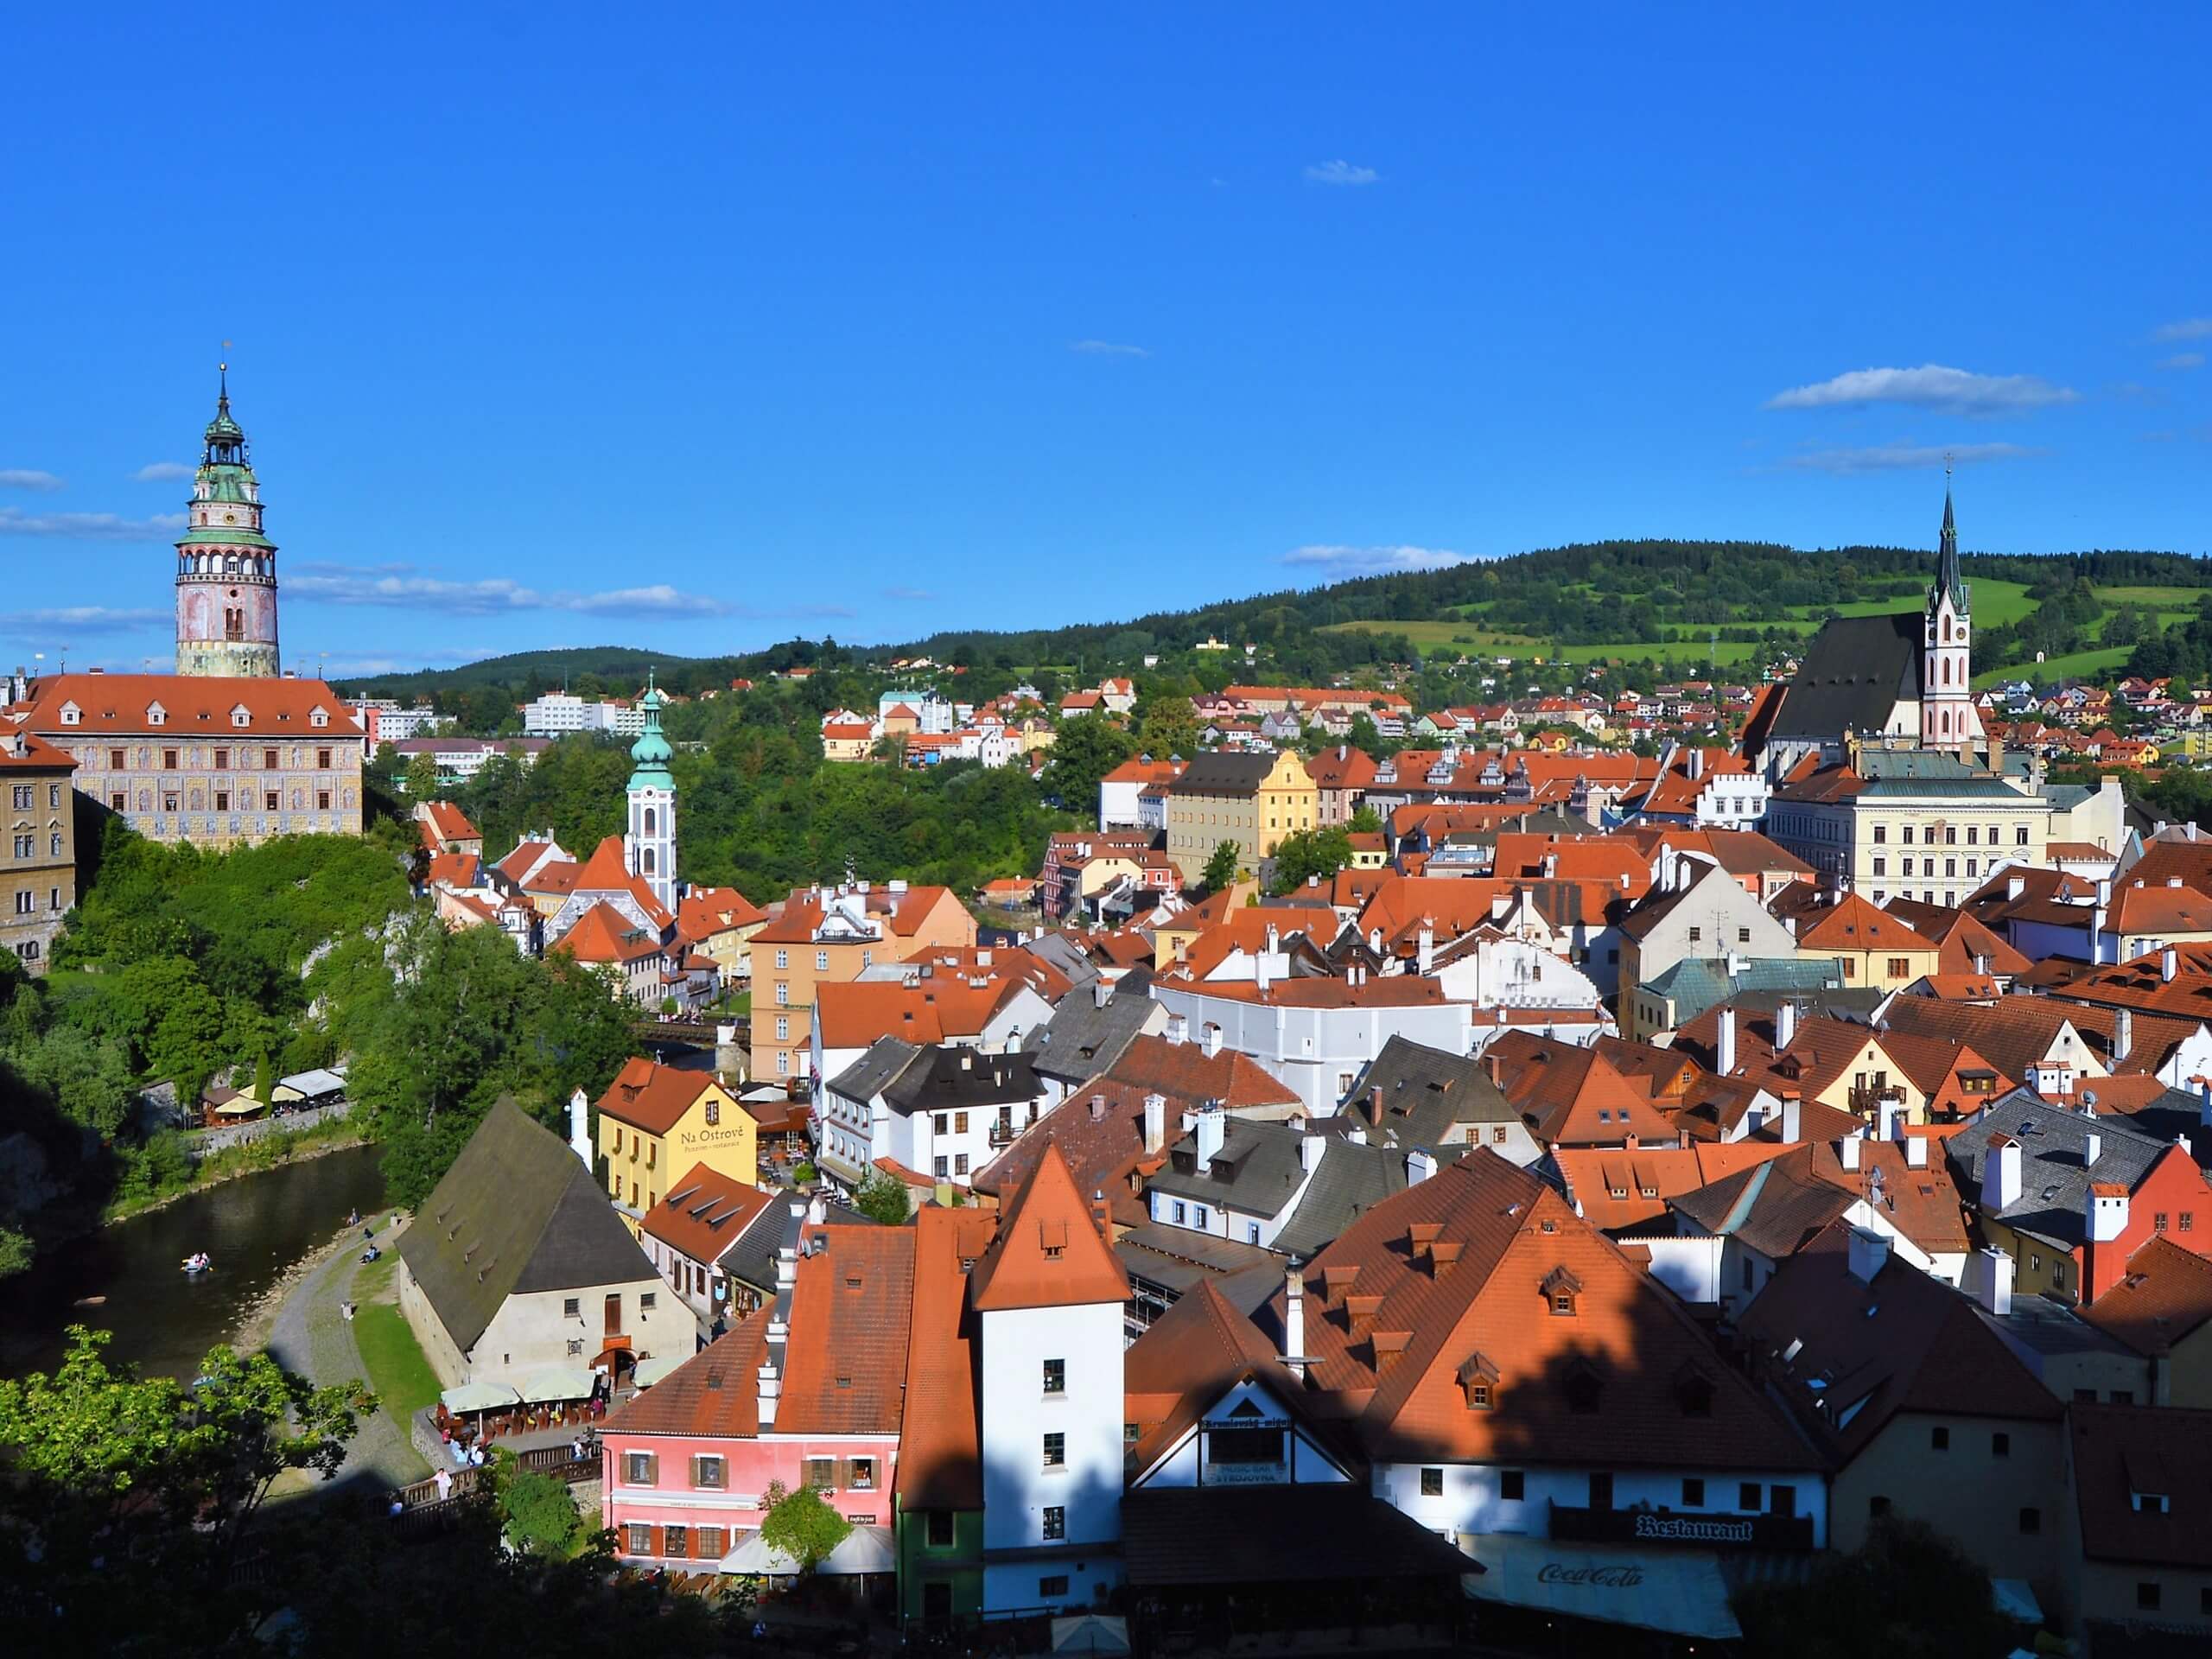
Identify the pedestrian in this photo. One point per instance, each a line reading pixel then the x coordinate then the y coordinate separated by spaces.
pixel 398 1504
pixel 576 1449
pixel 444 1479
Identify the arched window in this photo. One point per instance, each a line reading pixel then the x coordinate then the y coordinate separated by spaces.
pixel 650 821
pixel 647 858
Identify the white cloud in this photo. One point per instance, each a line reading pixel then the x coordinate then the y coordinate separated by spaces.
pixel 78 620
pixel 90 526
pixel 401 587
pixel 1106 348
pixel 1341 561
pixel 1897 457
pixel 2187 328
pixel 2183 360
pixel 161 472
pixel 1340 172
pixel 1930 386
pixel 28 478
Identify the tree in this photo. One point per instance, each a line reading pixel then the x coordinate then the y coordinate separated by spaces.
pixel 1366 822
pixel 537 1512
pixel 1088 747
pixel 1304 853
pixel 882 1197
pixel 1221 868
pixel 420 780
pixel 1169 726
pixel 15 1251
pixel 1907 1591
pixel 801 1525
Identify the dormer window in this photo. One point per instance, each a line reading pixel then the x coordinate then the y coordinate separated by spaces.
pixel 318 718
pixel 1582 1388
pixel 1561 1288
pixel 1478 1380
pixel 70 713
pixel 155 715
pixel 240 716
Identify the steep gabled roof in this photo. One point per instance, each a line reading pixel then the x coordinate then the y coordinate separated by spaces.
pixel 1049 1252
pixel 940 1440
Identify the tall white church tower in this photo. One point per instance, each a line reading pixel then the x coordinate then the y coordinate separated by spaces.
pixel 648 842
pixel 1948 717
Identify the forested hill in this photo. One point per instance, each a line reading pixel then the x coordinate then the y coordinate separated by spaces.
pixel 1658 600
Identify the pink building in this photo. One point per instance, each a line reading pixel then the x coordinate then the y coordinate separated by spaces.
pixel 806 1391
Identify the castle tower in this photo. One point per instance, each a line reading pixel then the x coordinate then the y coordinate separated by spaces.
pixel 225 567
pixel 1948 717
pixel 649 844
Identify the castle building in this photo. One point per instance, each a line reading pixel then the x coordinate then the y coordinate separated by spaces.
pixel 649 844
pixel 225 567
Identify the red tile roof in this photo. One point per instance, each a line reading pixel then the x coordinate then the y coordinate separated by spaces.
pixel 2163 1295
pixel 193 706
pixel 940 1450
pixel 2157 1451
pixel 604 936
pixel 652 1097
pixel 704 1211
pixel 1049 1252
pixel 845 1363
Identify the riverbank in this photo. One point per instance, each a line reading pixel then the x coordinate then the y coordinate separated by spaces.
pixel 228 1163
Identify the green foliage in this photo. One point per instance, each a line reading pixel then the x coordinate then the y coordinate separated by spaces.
pixel 162 1166
pixel 1167 725
pixel 1087 748
pixel 15 1251
pixel 805 1174
pixel 801 1525
pixel 1366 822
pixel 420 780
pixel 1221 868
pixel 537 1512
pixel 1908 1591
pixel 1304 853
pixel 882 1197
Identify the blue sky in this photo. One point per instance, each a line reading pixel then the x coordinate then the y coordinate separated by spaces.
pixel 563 327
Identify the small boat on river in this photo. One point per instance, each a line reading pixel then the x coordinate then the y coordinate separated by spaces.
pixel 198 1262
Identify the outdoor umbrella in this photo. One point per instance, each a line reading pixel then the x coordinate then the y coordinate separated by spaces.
pixel 1090 1633
pixel 479 1396
pixel 557 1382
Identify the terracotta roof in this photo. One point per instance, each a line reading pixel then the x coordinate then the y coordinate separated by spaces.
pixel 454 870
pixel 193 706
pixel 2014 1032
pixel 2124 1453
pixel 1852 923
pixel 1625 1379
pixel 604 935
pixel 1574 1096
pixel 2168 856
pixel 21 751
pixel 608 870
pixel 1183 1073
pixel 704 1211
pixel 2163 1295
pixel 715 1394
pixel 1396 992
pixel 652 1097
pixel 1049 1252
pixel 940 1449
pixel 1614 1189
pixel 1190 1358
pixel 845 1363
pixel 853 1013
pixel 707 911
pixel 448 823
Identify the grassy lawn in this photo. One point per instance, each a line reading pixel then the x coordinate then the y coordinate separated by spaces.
pixel 1433 636
pixel 2085 664
pixel 402 1378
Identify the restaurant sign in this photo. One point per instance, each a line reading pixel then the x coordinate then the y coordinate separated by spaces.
pixel 1672 1526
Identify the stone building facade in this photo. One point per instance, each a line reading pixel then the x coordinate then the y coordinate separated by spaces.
pixel 38 854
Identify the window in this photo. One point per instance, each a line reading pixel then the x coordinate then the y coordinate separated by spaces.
pixel 1252 1228
pixel 821 962
pixel 575 1347
pixel 940 1168
pixel 1056 1523
pixel 1747 1495
pixel 269 759
pixel 2019 836
pixel 572 1308
pixel 2000 1445
pixel 1908 834
pixel 1056 1451
pixel 1182 1214
pixel 2147 1596
pixel 783 960
pixel 116 760
pixel 322 800
pixel 2189 1221
pixel 821 1474
pixel 1051 1584
pixel 637 1539
pixel 782 994
pixel 1939 1439
pixel 1601 1491
pixel 1782 1499
pixel 1512 1484
pixel 1198 1217
pixel 25 797
pixel 709 1543
pixel 2159 1222
pixel 1431 1482
pixel 169 759
pixel 708 1474
pixel 222 800
pixel 863 1474
pixel 26 845
pixel 1056 1376
pixel 1696 933
pixel 1877 1507
pixel 1900 966
pixel 940 1529
pixel 675 1542
pixel 269 801
pixel 1692 1493
pixel 638 1468
pixel 2030 1522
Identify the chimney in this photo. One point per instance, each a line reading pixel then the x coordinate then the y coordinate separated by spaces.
pixel 772 1388
pixel 1424 945
pixel 2169 963
pixel 1209 1040
pixel 1846 1150
pixel 1793 1118
pixel 1785 1026
pixel 1211 1127
pixel 787 1268
pixel 1098 1108
pixel 2093 1145
pixel 1981 963
pixel 1890 1120
pixel 1727 1047
pixel 2015 886
pixel 2107 1214
pixel 1374 1106
pixel 1420 1165
pixel 727 1063
pixel 1869 1254
pixel 1100 991
pixel 2123 1033
pixel 1915 1152
pixel 1309 1148
pixel 1993 1281
pixel 1275 941
pixel 1489 1061
pixel 1155 1123
pixel 2000 1174
pixel 1294 1318
pixel 1178 1029
pixel 580 1127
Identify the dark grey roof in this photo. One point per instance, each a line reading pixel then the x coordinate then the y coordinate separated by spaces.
pixel 1857 669
pixel 516 1212
pixel 877 1069
pixel 1427 1093
pixel 1257 1170
pixel 1177 1259
pixel 750 1258
pixel 1224 771
pixel 2049 1327
pixel 2054 1178
pixel 951 1078
pixel 1058 951
pixel 1352 1179
pixel 1083 1037
pixel 1766 1207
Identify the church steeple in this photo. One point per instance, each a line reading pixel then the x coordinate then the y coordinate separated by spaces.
pixel 1948 579
pixel 649 845
pixel 1948 716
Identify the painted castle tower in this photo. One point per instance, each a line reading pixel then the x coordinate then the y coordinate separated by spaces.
pixel 649 845
pixel 225 567
pixel 1948 717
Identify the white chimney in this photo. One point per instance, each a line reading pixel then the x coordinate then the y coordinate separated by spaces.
pixel 1726 1056
pixel 1785 1026
pixel 1155 1122
pixel 787 1268
pixel 1915 1152
pixel 1211 1130
pixel 2092 1147
pixel 770 1389
pixel 1420 1165
pixel 1178 1029
pixel 1309 1148
pixel 2169 963
pixel 1209 1040
pixel 1891 1114
pixel 2000 1175
pixel 1426 945
pixel 1869 1254
pixel 580 1127
pixel 1294 1318
pixel 1793 1119
pixel 1846 1150
pixel 1993 1281
pixel 2107 1215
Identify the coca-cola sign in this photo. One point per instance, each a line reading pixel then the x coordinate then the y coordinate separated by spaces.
pixel 1596 1575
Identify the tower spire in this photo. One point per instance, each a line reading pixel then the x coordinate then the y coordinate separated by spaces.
pixel 1948 577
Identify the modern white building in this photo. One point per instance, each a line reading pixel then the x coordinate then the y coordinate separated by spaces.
pixel 556 714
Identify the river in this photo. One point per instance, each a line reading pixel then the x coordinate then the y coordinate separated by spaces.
pixel 165 1321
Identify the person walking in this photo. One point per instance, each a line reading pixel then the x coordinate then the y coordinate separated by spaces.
pixel 443 1479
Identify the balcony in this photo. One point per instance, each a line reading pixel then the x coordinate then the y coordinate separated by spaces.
pixel 1867 1101
pixel 1003 1135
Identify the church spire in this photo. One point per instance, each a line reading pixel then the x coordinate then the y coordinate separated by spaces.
pixel 1948 579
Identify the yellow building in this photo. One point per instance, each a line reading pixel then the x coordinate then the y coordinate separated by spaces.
pixel 1875 950
pixel 1250 800
pixel 719 923
pixel 656 1122
pixel 38 860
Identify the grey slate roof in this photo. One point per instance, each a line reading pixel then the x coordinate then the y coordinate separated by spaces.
pixel 2054 1180
pixel 1696 984
pixel 1427 1093
pixel 1765 1207
pixel 517 1212
pixel 1351 1180
pixel 1082 1039
pixel 1256 1171
pixel 1224 771
pixel 1856 671
pixel 750 1258
pixel 959 1079
pixel 1059 952
pixel 877 1069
